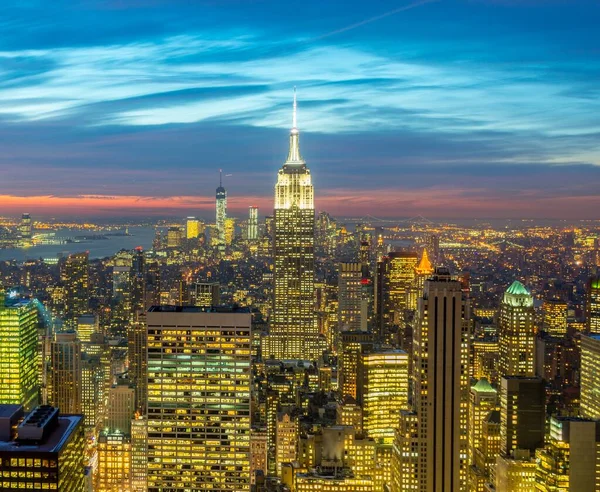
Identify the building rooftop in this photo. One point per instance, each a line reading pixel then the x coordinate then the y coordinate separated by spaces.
pixel 483 386
pixel 54 441
pixel 198 309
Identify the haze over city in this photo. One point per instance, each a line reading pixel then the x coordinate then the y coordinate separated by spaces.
pixel 481 108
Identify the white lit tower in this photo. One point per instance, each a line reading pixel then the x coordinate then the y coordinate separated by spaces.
pixel 294 331
pixel 221 210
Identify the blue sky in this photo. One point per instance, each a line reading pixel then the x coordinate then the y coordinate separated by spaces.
pixel 447 108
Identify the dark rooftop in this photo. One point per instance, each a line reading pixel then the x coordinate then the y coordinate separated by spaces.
pixel 198 309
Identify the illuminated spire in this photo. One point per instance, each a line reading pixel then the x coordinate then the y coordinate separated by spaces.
pixel 424 267
pixel 294 156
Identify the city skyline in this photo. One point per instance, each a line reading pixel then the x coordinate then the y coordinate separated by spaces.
pixel 400 115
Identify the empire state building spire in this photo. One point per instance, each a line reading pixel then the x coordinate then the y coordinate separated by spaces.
pixel 294 156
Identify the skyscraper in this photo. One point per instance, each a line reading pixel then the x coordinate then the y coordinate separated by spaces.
pixel 592 305
pixel 516 334
pixel 590 376
pixel 65 366
pixel 19 355
pixel 221 211
pixel 192 228
pixel 75 275
pixel 198 399
pixel 401 276
pixel 383 392
pixel 26 230
pixel 555 317
pixel 252 223
pixel 440 384
pixel 294 332
pixel 350 297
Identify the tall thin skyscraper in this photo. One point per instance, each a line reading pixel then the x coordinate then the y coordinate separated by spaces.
pixel 198 399
pixel 294 332
pixel 592 305
pixel 350 297
pixel 221 211
pixel 26 230
pixel 441 384
pixel 75 275
pixel 516 335
pixel 252 223
pixel 65 385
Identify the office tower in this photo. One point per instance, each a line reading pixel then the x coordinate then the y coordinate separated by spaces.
pixel 405 455
pixel 221 211
pixel 350 298
pixel 198 398
pixel 205 294
pixel 65 368
pixel 87 324
pixel 121 302
pixel 485 455
pixel 352 344
pixel 484 359
pixel 522 414
pixel 92 382
pixel 139 454
pixel 287 437
pixel 75 275
pixel 440 384
pixel 570 460
pixel 555 317
pixel 121 407
pixel 592 305
pixel 47 452
pixel 136 346
pixel 192 228
pixel 516 332
pixel 174 237
pixel 114 462
pixel 19 354
pixel 515 473
pixel 26 230
pixel 252 223
pixel 382 309
pixel 401 276
pixel 590 376
pixel 294 332
pixel 383 392
pixel 483 400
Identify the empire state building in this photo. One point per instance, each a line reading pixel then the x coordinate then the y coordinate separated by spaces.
pixel 293 331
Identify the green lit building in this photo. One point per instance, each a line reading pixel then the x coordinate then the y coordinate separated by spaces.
pixel 19 382
pixel 516 334
pixel 198 399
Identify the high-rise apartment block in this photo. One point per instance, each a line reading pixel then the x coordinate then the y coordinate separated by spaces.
pixel 198 399
pixel 555 317
pixel 350 315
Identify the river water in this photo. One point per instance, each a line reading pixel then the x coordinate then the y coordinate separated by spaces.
pixel 97 248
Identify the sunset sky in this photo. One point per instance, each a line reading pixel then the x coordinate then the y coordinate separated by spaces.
pixel 443 108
